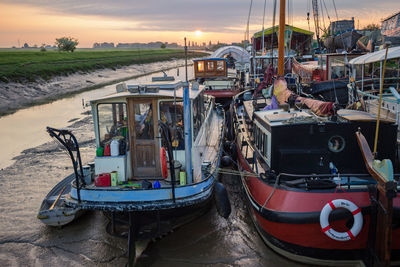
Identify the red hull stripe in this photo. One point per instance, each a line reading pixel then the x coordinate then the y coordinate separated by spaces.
pixel 351 235
pixel 331 204
pixel 326 228
pixel 356 211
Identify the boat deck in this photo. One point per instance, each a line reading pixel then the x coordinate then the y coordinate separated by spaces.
pixel 206 145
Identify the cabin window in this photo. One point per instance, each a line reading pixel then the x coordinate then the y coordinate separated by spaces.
pixel 210 66
pixel 200 66
pixel 256 136
pixel 260 140
pixel 112 122
pixel 144 124
pixel 322 62
pixel 337 67
pixel 336 143
pixel 220 65
pixel 198 114
pixel 265 145
pixel 171 113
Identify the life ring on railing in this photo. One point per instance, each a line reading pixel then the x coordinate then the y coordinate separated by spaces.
pixel 350 206
pixel 164 166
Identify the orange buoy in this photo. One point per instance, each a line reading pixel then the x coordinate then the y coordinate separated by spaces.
pixel 164 167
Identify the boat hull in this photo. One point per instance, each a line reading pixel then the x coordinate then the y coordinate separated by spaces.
pixel 116 199
pixel 289 221
pixel 59 217
pixel 153 218
pixel 156 223
pixel 60 214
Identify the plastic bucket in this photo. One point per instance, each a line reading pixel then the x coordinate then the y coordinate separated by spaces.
pixel 87 174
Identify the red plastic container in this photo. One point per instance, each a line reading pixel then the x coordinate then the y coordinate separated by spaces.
pixel 103 179
pixel 107 150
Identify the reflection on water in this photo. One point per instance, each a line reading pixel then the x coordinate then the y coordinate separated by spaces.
pixel 26 128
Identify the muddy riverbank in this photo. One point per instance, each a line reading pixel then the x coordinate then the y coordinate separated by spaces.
pixel 24 241
pixel 14 96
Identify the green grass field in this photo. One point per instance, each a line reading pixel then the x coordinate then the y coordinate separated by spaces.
pixel 25 65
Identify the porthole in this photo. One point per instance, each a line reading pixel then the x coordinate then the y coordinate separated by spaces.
pixel 336 143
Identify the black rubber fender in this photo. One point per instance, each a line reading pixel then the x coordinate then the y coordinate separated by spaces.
pixel 222 202
pixel 226 161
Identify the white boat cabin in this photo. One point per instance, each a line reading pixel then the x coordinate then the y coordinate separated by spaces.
pixel 127 128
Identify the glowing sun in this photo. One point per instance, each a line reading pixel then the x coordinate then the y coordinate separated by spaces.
pixel 198 33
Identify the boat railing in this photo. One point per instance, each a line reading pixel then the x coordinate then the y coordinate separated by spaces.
pixel 342 179
pixel 390 96
pixel 374 83
pixel 70 143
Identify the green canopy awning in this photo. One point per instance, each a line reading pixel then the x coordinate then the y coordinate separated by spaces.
pixel 276 29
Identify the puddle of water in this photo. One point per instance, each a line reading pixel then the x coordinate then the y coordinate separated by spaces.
pixel 27 127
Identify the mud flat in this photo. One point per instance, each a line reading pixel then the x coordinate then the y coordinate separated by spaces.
pixel 14 95
pixel 25 241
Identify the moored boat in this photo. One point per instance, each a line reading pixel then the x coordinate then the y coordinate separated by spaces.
pixel 366 81
pixel 326 78
pixel 53 211
pixel 293 163
pixel 315 192
pixel 214 74
pixel 158 148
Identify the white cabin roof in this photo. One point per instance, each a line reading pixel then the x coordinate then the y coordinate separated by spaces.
pixel 152 89
pixel 394 52
pixel 277 117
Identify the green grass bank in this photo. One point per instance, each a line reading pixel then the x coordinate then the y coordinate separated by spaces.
pixel 26 65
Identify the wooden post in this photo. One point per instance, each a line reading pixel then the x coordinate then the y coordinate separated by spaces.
pixel 281 39
pixel 382 199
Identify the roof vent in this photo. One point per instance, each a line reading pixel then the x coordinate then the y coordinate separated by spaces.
pixel 122 88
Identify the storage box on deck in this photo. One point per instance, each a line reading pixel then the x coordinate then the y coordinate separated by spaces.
pixel 109 164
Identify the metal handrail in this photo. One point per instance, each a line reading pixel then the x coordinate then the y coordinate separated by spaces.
pixel 69 141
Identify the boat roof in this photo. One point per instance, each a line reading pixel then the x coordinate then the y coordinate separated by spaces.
pixel 152 89
pixel 277 117
pixel 210 58
pixel 276 29
pixel 393 53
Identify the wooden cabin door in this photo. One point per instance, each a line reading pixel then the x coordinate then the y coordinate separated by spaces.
pixel 145 151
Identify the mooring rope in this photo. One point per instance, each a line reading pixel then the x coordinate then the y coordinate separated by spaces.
pixel 235 172
pixel 272 192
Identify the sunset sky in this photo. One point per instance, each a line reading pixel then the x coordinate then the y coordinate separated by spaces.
pixel 41 21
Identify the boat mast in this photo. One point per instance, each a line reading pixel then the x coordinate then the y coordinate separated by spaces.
pixel 187 126
pixel 263 36
pixel 281 40
pixel 316 22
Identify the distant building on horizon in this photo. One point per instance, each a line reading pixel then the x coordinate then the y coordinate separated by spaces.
pixel 103 45
pixel 151 45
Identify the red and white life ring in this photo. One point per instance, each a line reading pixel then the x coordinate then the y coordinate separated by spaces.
pixel 350 206
pixel 164 166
